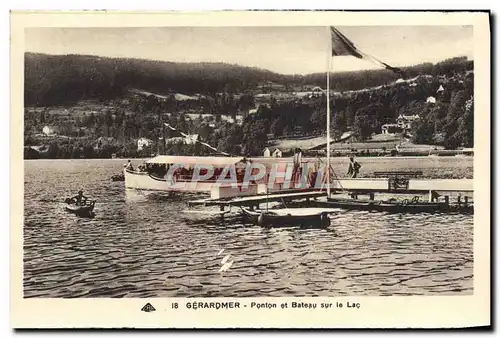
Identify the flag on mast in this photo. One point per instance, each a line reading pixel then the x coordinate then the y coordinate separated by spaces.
pixel 342 46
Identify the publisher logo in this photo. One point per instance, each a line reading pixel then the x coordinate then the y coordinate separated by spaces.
pixel 148 308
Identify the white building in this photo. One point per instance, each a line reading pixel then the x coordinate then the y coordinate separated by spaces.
pixel 50 130
pixel 189 139
pixel 405 121
pixel 317 92
pixel 143 142
pixel 267 152
pixel 175 140
pixel 391 128
pixel 277 153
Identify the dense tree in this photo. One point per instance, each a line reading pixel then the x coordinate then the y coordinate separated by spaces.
pixel 362 126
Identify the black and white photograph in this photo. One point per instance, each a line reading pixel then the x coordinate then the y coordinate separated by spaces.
pixel 249 161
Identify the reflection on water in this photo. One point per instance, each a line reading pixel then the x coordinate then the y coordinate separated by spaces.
pixel 143 245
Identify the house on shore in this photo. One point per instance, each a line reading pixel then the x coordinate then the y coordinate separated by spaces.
pixel 272 152
pixel 50 130
pixel 189 139
pixel 405 121
pixel 391 128
pixel 267 152
pixel 143 142
pixel 277 153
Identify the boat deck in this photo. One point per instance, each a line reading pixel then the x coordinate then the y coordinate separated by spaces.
pixel 411 185
pixel 257 199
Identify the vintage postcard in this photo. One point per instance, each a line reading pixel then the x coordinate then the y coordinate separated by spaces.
pixel 230 169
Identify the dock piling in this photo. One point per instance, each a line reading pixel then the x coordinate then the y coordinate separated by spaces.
pixel 433 196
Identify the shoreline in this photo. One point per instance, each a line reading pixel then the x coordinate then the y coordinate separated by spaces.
pixel 432 167
pixel 277 159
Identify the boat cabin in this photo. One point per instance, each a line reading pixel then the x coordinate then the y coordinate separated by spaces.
pixel 189 173
pixel 159 166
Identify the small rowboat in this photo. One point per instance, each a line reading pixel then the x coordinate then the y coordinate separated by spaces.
pixel 303 217
pixel 86 210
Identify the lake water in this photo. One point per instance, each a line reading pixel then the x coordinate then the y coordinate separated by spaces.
pixel 144 246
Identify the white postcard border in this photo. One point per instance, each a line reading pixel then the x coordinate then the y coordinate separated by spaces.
pixel 414 311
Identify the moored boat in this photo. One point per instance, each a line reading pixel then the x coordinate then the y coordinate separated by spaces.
pixel 392 206
pixel 303 217
pixel 175 173
pixel 203 174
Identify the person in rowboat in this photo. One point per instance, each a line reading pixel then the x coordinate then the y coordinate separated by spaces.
pixel 354 167
pixel 80 199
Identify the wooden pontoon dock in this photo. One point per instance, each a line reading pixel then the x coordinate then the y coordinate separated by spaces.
pixel 394 183
pixel 257 199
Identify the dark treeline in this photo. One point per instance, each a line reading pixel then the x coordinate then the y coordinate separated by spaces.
pixel 343 81
pixel 64 79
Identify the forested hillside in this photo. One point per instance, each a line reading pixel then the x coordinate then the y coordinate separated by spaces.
pixel 64 79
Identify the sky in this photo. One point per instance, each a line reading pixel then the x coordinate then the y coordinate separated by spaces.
pixel 286 50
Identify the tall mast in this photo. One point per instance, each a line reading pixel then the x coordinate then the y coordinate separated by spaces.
pixel 329 57
pixel 163 141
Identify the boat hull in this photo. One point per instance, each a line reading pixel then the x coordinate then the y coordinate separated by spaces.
pixel 82 211
pixel 272 219
pixel 145 181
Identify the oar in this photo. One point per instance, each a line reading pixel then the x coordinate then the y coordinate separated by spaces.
pixel 52 200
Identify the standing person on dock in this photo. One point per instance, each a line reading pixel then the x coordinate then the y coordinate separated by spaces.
pixel 354 167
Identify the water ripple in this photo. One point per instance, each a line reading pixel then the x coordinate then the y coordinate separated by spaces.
pixel 141 245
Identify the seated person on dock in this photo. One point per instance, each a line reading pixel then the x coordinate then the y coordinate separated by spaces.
pixel 80 199
pixel 129 165
pixel 354 167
